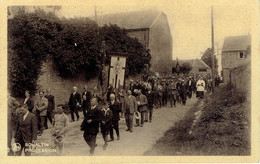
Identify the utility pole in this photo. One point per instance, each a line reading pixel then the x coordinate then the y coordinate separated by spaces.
pixel 96 14
pixel 213 54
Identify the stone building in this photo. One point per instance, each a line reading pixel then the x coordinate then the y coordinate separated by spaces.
pixel 236 51
pixel 151 28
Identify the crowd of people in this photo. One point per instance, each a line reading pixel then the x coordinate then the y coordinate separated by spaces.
pixel 103 111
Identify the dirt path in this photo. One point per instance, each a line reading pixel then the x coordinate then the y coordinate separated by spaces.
pixel 135 143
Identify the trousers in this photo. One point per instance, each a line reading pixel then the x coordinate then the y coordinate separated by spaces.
pixel 23 148
pixel 49 117
pixel 91 141
pixel 72 111
pixel 129 120
pixel 114 126
pixel 142 118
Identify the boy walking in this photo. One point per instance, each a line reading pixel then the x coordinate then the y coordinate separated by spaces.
pixel 106 116
pixel 59 129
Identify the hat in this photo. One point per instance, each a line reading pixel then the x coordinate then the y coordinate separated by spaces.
pixel 137 115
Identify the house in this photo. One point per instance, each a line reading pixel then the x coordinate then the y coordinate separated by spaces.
pixel 236 51
pixel 152 30
pixel 198 66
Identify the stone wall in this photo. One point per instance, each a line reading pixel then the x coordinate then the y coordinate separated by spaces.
pixel 141 35
pixel 61 88
pixel 240 78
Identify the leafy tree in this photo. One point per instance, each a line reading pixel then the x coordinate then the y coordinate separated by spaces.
pixel 185 68
pixel 29 43
pixel 73 44
pixel 77 48
pixel 117 41
pixel 207 57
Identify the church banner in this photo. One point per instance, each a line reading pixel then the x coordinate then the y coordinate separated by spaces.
pixel 117 71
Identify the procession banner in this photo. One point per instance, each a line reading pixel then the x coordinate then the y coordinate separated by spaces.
pixel 117 71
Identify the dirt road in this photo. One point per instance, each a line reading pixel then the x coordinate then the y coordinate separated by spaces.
pixel 135 143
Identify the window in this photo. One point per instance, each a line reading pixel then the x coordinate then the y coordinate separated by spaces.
pixel 241 55
pixel 202 70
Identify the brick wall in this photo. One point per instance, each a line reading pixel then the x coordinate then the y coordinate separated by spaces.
pixel 240 78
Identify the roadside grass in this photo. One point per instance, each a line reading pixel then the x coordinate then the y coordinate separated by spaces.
pixel 222 129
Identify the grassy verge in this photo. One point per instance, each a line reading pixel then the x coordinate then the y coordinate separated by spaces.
pixel 222 129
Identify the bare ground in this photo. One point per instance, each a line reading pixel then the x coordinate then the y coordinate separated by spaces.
pixel 136 143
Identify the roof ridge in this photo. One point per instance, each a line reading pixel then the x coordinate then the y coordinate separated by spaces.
pixel 203 63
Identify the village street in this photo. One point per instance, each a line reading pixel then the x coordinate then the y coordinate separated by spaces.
pixel 135 143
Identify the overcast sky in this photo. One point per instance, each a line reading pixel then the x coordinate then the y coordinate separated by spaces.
pixel 190 21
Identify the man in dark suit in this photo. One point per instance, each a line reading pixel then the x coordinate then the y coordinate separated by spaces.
pixel 183 92
pixel 86 97
pixel 90 124
pixel 28 101
pixel 50 108
pixel 150 99
pixel 74 103
pixel 12 121
pixel 129 107
pixel 26 130
pixel 115 107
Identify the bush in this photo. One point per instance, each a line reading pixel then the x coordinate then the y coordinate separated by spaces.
pixel 73 44
pixel 118 41
pixel 29 42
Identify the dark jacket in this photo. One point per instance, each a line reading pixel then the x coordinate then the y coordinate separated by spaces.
pixel 116 109
pixel 106 117
pixel 150 98
pixel 88 96
pixel 12 119
pixel 94 115
pixel 183 90
pixel 51 102
pixel 74 99
pixel 30 104
pixel 27 129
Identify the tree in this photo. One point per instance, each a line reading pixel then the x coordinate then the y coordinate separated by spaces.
pixel 73 44
pixel 30 39
pixel 207 57
pixel 117 41
pixel 77 48
pixel 185 68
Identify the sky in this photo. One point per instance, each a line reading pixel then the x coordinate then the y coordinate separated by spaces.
pixel 190 21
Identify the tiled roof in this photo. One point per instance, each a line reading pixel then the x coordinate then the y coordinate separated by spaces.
pixel 193 62
pixel 236 43
pixel 130 20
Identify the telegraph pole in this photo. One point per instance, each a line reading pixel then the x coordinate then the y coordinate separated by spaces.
pixel 213 54
pixel 96 14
